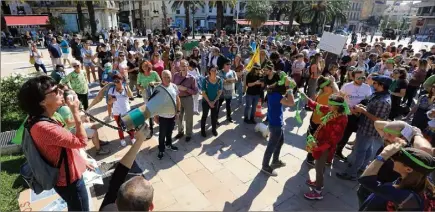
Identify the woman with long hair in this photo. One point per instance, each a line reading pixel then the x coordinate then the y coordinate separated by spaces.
pixel 147 80
pixel 196 56
pixel 238 67
pixel 35 57
pixel 158 64
pixel 332 71
pixel 397 91
pixel 315 72
pixel 133 67
pixel 40 97
pixel 254 86
pixel 322 143
pixel 211 91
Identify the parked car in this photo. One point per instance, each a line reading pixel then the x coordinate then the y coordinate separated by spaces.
pixel 389 34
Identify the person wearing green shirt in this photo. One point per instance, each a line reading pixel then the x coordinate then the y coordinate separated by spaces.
pixel 427 85
pixel 147 80
pixel 79 84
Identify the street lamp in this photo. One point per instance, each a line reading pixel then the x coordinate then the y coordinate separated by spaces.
pixel 193 21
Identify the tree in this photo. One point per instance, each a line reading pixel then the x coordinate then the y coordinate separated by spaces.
pixel 165 16
pixel 187 6
pixel 91 11
pixel 219 14
pixel 141 14
pixel 56 22
pixel 80 17
pixel 258 13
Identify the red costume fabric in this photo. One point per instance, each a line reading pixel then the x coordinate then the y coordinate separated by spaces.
pixel 330 134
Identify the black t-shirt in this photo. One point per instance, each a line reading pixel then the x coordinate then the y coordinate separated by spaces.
pixel 362 45
pixel 386 173
pixel 117 180
pixel 275 79
pixel 105 57
pixel 256 89
pixel 401 84
pixel 132 66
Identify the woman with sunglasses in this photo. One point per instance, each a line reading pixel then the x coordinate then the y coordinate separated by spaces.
pixel 322 143
pixel 119 99
pixel 40 97
pixel 211 91
pixel 397 91
pixel 196 56
pixel 238 67
pixel 147 80
pixel 79 84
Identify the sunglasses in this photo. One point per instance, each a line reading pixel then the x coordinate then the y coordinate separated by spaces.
pixel 75 66
pixel 55 90
pixel 361 78
pixel 228 64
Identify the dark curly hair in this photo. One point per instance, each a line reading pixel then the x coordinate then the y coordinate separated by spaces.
pixel 32 93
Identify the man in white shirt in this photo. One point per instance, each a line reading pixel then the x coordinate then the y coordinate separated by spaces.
pixel 354 92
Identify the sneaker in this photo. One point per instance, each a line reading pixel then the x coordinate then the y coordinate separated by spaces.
pixel 314 195
pixel 345 176
pixel 218 124
pixel 203 134
pixel 214 132
pixel 278 164
pixel 123 143
pixel 340 156
pixel 133 141
pixel 269 171
pixel 179 135
pixel 104 143
pixel 172 147
pixel 247 121
pixel 188 138
pixel 230 120
pixel 138 95
pixel 349 147
pixel 160 155
pixel 252 121
pixel 103 151
pixel 310 163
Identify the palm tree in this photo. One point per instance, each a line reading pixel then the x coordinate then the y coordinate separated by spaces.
pixel 219 14
pixel 187 6
pixel 315 13
pixel 93 23
pixel 165 16
pixel 80 17
pixel 258 12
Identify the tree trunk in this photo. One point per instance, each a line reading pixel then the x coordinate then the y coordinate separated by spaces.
pixel 291 17
pixel 278 15
pixel 80 17
pixel 314 23
pixel 219 15
pixel 332 24
pixel 165 16
pixel 142 25
pixel 90 6
pixel 133 16
pixel 186 5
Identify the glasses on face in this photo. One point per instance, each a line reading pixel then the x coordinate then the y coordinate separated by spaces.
pixel 75 66
pixel 55 90
pixel 121 55
pixel 228 64
pixel 212 70
pixel 116 81
pixel 361 78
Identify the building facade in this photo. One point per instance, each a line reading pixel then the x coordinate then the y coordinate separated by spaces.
pixel 424 22
pixel 105 13
pixel 360 11
pixel 129 14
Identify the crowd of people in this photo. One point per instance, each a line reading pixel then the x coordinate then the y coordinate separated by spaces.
pixel 369 91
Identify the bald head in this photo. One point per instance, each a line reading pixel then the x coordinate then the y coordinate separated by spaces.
pixel 135 195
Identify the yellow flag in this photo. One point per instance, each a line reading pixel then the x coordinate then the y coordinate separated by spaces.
pixel 255 59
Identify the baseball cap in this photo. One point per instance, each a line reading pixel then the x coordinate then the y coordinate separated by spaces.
pixel 386 81
pixel 417 159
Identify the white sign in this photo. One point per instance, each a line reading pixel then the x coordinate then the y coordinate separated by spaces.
pixel 332 43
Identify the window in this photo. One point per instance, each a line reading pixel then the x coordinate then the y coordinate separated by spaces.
pixel 177 12
pixel 203 9
pixel 231 10
pixel 210 9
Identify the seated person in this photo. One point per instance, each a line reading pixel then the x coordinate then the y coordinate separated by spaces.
pixel 58 73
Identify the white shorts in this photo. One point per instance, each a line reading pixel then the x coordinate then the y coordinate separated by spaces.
pixel 65 56
pixel 89 131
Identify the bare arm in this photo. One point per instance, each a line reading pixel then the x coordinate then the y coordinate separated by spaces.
pixel 288 100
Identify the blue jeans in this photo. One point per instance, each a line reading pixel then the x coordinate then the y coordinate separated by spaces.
pixel 250 106
pixel 362 152
pixel 75 195
pixel 276 140
pixel 239 90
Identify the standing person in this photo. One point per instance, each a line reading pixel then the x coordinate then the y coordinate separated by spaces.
pixel 133 67
pixel 65 50
pixel 298 68
pixel 40 97
pixel 417 79
pixel 77 80
pixel 326 137
pixel 36 55
pixel 397 91
pixel 58 73
pixel 167 121
pixel 275 117
pixel 158 64
pixel 354 92
pixel 211 91
pixel 315 72
pixel 419 111
pixel 55 52
pixel 88 61
pixel 238 67
pixel 147 80
pixel 187 87
pixel 229 78
pixel 254 86
pixel 118 98
pixel 367 138
pixel 104 57
pixel 194 72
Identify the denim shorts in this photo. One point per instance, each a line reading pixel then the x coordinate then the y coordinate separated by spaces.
pixel 88 64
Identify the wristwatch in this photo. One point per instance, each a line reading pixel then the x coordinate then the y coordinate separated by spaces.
pixel 380 158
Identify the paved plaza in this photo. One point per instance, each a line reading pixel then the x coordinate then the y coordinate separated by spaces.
pixel 223 172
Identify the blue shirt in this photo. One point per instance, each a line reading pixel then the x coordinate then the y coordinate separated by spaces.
pixel 275 109
pixel 64 46
pixel 211 89
pixel 55 50
pixel 107 77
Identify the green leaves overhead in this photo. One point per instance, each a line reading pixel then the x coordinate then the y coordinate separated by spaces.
pixel 258 12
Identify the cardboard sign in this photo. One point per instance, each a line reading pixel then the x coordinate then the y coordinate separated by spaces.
pixel 332 43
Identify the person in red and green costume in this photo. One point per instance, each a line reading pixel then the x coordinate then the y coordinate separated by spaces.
pixel 323 141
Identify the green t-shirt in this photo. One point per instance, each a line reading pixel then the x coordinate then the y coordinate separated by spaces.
pixel 77 81
pixel 429 82
pixel 143 80
pixel 59 118
pixel 66 114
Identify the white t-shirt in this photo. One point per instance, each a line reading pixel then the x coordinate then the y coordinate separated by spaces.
pixel 173 91
pixel 37 56
pixel 121 106
pixel 123 68
pixel 355 94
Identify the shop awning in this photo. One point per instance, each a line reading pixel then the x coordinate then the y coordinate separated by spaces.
pixel 31 20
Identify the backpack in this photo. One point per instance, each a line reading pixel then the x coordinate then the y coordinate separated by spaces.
pixel 38 173
pixel 425 201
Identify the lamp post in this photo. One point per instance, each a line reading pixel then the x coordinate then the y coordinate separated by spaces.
pixel 193 21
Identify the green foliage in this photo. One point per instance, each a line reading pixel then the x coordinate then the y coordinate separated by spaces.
pixel 11 115
pixel 57 22
pixel 258 12
pixel 11 183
